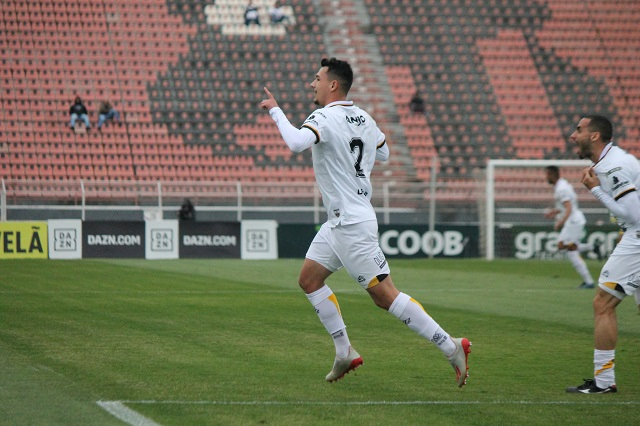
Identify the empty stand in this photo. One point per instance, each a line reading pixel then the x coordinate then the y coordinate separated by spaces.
pixel 500 80
pixel 504 75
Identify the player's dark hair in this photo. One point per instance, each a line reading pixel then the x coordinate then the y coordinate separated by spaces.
pixel 600 124
pixel 554 170
pixel 339 70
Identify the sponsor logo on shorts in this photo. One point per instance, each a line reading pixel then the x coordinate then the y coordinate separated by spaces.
pixel 380 260
pixel 361 279
pixel 605 273
pixel 634 281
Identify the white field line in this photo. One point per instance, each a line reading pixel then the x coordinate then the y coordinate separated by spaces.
pixel 127 415
pixel 156 291
pixel 355 403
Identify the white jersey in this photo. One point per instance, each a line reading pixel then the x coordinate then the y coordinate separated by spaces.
pixel 619 174
pixel 343 156
pixel 563 192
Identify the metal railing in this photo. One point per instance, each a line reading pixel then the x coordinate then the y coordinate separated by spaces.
pixel 240 198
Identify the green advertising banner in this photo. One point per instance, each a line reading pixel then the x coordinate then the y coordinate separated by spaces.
pixel 541 242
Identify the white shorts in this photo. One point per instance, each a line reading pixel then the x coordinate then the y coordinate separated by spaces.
pixel 620 276
pixel 355 247
pixel 571 233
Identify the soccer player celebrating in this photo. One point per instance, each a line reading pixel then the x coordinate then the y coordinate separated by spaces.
pixel 614 179
pixel 346 142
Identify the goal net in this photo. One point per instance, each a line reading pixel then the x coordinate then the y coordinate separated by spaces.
pixel 517 196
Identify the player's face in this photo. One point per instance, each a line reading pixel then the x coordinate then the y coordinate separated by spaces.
pixel 582 137
pixel 550 177
pixel 321 86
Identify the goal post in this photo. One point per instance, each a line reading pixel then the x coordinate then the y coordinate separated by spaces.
pixel 517 194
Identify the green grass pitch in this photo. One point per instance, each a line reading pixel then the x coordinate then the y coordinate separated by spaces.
pixel 231 342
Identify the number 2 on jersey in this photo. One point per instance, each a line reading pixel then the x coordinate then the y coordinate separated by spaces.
pixel 357 143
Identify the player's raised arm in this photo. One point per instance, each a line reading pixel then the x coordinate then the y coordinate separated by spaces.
pixel 269 102
pixel 296 139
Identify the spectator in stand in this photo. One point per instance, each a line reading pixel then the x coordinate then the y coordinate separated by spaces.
pixel 416 104
pixel 187 211
pixel 277 15
pixel 79 111
pixel 251 15
pixel 107 112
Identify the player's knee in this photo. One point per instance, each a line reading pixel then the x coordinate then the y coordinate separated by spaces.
pixel 384 293
pixel 308 284
pixel 381 302
pixel 602 306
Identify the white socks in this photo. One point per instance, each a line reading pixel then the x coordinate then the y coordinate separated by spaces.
pixel 416 318
pixel 328 310
pixel 580 266
pixel 403 307
pixel 604 368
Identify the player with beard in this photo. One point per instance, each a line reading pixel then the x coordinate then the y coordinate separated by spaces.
pixel 614 178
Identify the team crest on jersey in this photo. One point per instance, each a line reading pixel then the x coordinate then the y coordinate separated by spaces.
pixel 312 118
pixel 336 212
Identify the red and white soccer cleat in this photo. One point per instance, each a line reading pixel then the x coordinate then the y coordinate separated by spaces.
pixel 342 366
pixel 459 359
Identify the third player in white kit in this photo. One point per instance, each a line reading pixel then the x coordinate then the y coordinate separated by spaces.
pixel 570 221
